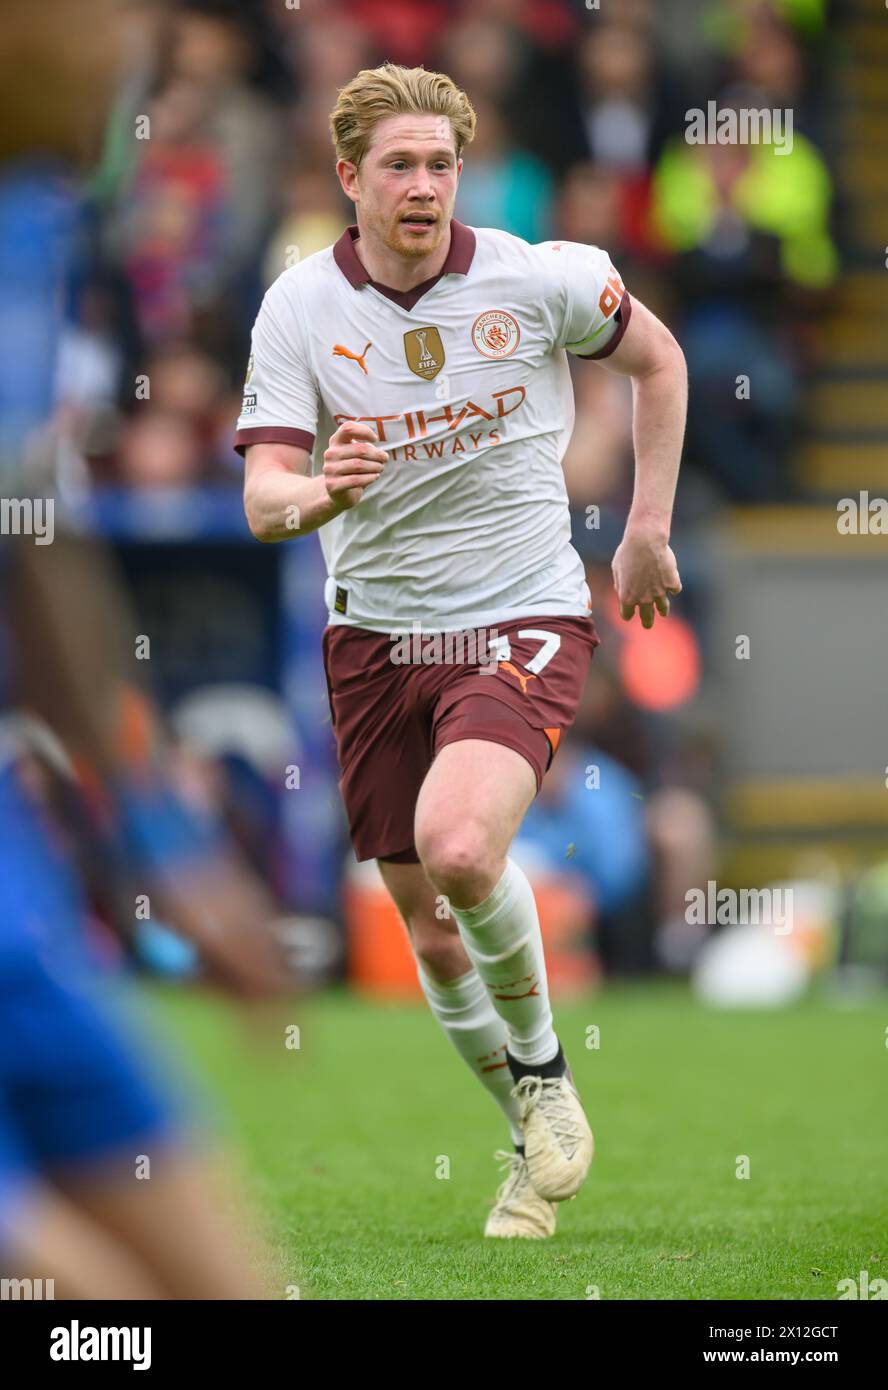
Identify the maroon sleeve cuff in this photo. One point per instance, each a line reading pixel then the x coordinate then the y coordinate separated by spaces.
pixel 272 434
pixel 625 312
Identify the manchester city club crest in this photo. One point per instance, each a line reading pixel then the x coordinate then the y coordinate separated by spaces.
pixel 424 351
pixel 496 333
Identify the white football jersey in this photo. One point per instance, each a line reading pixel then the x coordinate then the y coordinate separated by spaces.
pixel 466 382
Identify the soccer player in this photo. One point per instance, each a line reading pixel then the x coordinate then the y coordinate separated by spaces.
pixel 409 394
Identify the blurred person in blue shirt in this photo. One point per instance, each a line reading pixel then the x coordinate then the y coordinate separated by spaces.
pixel 588 821
pixel 504 186
pixel 84 1118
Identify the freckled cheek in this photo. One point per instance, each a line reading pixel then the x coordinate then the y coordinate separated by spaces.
pixel 390 196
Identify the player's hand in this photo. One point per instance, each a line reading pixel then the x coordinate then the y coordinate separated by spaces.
pixel 224 910
pixel 645 574
pixel 352 461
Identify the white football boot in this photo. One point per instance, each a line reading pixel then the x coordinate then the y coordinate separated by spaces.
pixel 558 1142
pixel 518 1210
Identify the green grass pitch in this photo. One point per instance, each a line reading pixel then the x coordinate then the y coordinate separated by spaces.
pixel 343 1138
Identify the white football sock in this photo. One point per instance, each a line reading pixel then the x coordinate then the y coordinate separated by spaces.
pixel 503 941
pixel 464 1011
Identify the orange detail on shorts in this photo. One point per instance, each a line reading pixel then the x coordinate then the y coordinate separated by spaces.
pixel 508 666
pixel 340 351
pixel 553 735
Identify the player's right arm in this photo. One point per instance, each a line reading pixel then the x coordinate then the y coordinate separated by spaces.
pixel 281 500
pixel 277 427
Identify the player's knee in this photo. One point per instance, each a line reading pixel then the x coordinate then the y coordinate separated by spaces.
pixel 455 860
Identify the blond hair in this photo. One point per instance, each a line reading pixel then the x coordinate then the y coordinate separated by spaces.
pixel 390 90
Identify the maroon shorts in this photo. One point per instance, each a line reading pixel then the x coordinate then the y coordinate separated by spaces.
pixel 390 718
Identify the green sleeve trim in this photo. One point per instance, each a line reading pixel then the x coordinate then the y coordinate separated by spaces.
pixel 584 342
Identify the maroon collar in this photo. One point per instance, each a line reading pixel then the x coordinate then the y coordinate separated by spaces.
pixel 459 259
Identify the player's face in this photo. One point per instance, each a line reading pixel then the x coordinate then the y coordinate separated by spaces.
pixel 406 184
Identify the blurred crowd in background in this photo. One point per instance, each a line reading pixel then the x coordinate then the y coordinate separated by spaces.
pixel 216 173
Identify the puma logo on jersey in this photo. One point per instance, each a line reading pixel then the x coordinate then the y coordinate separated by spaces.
pixel 520 676
pixel 340 351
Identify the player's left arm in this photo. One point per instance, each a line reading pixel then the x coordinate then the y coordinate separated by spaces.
pixel 644 567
